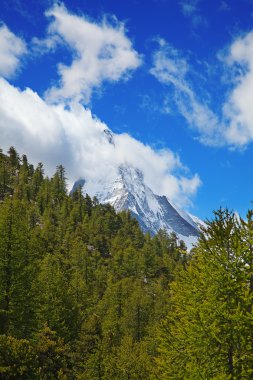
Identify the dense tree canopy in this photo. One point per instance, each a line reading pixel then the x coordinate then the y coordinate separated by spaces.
pixel 84 294
pixel 82 289
pixel 208 331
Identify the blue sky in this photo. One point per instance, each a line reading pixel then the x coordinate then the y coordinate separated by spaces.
pixel 172 79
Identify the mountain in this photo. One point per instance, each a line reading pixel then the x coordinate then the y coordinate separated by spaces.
pixel 128 191
pixel 154 212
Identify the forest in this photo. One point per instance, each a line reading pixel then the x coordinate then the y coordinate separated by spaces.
pixel 85 294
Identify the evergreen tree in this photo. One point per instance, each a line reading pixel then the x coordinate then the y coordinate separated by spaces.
pixel 59 187
pixel 17 359
pixel 82 289
pixel 207 331
pixel 37 180
pixel 18 265
pixel 53 356
pixel 5 175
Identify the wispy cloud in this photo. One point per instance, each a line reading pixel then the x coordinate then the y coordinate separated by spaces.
pixel 171 69
pixel 101 51
pixel 233 124
pixel 46 45
pixel 224 6
pixel 190 9
pixel 12 48
pixel 154 104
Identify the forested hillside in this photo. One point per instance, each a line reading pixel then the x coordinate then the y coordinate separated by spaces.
pixel 208 331
pixel 84 294
pixel 82 289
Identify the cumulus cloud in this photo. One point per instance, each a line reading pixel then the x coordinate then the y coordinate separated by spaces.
pixel 100 52
pixel 12 48
pixel 74 137
pixel 171 69
pixel 238 109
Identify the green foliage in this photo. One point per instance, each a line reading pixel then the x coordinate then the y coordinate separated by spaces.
pixel 82 289
pixel 208 330
pixel 84 294
pixel 17 358
pixel 18 267
pixel 52 355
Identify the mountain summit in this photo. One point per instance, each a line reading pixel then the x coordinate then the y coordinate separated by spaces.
pixel 154 212
pixel 128 191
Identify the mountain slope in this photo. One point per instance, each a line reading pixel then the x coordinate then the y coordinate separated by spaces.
pixel 154 212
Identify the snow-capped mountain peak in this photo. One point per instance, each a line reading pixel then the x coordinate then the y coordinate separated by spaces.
pixel 109 135
pixel 128 191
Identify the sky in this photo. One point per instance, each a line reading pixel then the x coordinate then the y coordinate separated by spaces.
pixel 173 81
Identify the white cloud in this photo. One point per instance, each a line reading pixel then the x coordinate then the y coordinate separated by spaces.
pixel 233 126
pixel 100 51
pixel 72 136
pixel 171 69
pixel 11 50
pixel 238 109
pixel 48 44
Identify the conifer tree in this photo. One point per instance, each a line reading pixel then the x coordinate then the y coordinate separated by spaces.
pixel 5 175
pixel 37 180
pixel 59 187
pixel 76 277
pixel 207 331
pixel 18 265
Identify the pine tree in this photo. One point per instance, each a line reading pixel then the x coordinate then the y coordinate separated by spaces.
pixel 37 180
pixel 18 265
pixel 5 175
pixel 53 356
pixel 58 308
pixel 59 187
pixel 76 277
pixel 17 359
pixel 206 333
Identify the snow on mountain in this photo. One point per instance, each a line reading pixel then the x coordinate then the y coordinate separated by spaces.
pixel 154 212
pixel 128 191
pixel 199 222
pixel 190 218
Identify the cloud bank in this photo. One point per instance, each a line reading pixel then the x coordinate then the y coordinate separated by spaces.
pixel 72 136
